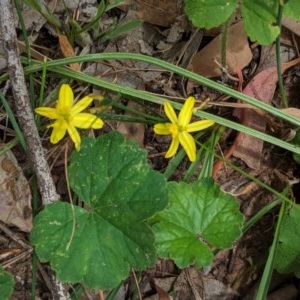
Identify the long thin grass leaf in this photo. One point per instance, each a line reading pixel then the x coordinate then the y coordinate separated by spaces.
pixel 13 121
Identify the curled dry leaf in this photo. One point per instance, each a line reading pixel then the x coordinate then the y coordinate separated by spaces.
pixel 15 195
pixel 238 54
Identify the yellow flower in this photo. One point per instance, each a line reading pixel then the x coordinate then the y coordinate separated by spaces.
pixel 180 127
pixel 68 116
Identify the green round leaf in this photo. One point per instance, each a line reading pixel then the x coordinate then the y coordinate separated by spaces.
pixel 200 215
pixel 120 191
pixel 292 9
pixel 260 18
pixel 209 13
pixel 6 284
pixel 288 251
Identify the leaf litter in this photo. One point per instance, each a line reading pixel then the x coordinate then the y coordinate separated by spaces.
pixel 233 273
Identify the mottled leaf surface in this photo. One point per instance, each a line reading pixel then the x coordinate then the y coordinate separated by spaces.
pixel 99 243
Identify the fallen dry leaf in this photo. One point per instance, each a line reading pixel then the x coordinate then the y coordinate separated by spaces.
pixel 262 87
pixel 157 12
pixel 238 54
pixel 67 50
pixel 292 25
pixel 15 195
pixel 133 131
pixel 292 111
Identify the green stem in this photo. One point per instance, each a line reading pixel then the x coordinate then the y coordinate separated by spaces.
pixel 34 276
pixel 278 57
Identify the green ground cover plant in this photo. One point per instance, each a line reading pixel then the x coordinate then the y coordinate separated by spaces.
pixel 130 214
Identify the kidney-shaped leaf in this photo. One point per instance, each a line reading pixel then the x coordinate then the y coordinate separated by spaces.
pixel 288 252
pixel 209 13
pixel 6 284
pixel 98 244
pixel 199 215
pixel 292 9
pixel 260 20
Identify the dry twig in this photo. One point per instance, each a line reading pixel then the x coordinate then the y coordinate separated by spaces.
pixel 22 105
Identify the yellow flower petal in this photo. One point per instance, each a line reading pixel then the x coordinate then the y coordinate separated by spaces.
pixel 81 105
pixel 169 110
pixel 173 148
pixel 199 125
pixel 51 113
pixel 97 124
pixel 58 132
pixel 65 99
pixel 188 144
pixel 74 136
pixel 186 112
pixel 162 128
pixel 85 120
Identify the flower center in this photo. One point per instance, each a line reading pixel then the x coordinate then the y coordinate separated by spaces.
pixel 66 116
pixel 173 130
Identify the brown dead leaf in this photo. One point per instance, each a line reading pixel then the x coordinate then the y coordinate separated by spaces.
pixel 189 284
pixel 133 131
pixel 157 12
pixel 161 291
pixel 15 195
pixel 67 50
pixel 292 25
pixel 292 111
pixel 238 54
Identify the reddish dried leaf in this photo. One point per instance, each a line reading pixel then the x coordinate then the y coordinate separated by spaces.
pixel 262 87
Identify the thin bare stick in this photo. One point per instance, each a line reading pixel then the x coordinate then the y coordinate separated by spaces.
pixel 23 109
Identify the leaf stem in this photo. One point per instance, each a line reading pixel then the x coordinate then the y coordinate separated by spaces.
pixel 278 58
